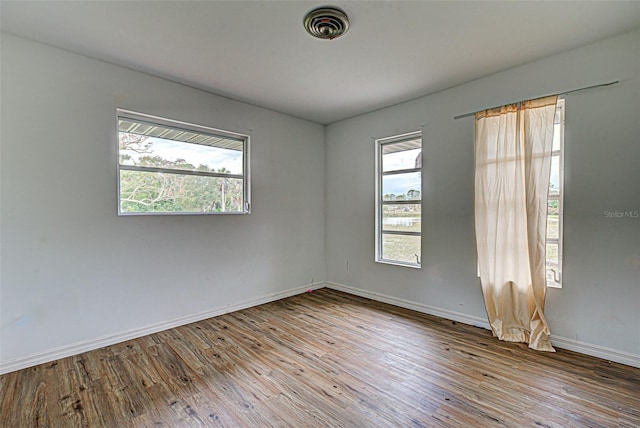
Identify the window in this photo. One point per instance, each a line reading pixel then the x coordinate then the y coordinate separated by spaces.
pixel 399 200
pixel 555 204
pixel 169 167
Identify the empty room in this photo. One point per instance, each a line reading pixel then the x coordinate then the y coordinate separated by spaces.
pixel 320 214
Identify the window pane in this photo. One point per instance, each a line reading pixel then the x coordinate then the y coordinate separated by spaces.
pixel 405 218
pixel 553 229
pixel 406 159
pixel 401 248
pixel 553 263
pixel 557 130
pixel 402 187
pixel 149 192
pixel 554 232
pixel 554 182
pixel 401 145
pixel 142 150
pixel 399 199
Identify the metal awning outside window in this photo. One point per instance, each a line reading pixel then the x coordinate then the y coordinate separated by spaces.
pixel 156 130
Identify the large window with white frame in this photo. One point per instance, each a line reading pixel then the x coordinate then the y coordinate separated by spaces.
pixel 171 167
pixel 399 200
pixel 555 209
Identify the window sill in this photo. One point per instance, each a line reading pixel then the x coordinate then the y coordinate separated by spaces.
pixel 186 213
pixel 396 263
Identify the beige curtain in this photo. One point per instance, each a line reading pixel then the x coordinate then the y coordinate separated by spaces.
pixel 513 163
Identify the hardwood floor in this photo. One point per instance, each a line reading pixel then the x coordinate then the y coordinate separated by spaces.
pixel 322 359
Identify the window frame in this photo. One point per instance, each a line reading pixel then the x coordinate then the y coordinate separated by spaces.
pixel 188 127
pixel 560 153
pixel 380 202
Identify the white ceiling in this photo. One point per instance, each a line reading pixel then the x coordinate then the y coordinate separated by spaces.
pixel 258 51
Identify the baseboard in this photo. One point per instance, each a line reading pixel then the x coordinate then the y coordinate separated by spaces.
pixel 407 304
pixel 596 351
pixel 557 341
pixel 90 345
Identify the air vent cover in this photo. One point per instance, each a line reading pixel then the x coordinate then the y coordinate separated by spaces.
pixel 326 23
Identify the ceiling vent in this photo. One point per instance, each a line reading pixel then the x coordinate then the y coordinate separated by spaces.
pixel 326 23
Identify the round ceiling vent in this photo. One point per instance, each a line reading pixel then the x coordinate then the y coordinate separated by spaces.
pixel 326 23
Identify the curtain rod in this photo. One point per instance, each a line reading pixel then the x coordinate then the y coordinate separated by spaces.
pixel 557 93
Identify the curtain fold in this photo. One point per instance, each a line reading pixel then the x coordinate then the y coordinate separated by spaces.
pixel 513 163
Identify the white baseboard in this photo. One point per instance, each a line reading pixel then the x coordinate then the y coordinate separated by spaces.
pixel 596 351
pixel 407 304
pixel 557 341
pixel 90 345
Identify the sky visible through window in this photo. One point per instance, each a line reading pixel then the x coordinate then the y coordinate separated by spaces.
pixel 399 184
pixel 554 179
pixel 214 158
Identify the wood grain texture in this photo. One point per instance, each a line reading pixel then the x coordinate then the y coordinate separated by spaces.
pixel 322 359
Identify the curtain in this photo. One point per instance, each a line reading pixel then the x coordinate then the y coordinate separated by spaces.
pixel 513 163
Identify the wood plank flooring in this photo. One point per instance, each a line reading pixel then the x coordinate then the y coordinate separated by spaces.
pixel 322 359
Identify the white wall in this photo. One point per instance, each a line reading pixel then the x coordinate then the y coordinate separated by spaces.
pixel 73 271
pixel 598 309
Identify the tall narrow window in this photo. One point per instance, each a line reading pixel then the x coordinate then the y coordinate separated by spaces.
pixel 169 167
pixel 555 202
pixel 399 200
